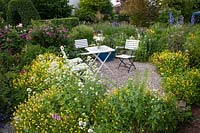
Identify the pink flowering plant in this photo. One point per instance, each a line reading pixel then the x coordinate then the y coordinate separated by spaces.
pixel 49 35
pixel 11 40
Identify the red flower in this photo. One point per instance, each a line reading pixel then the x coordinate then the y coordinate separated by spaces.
pixel 23 71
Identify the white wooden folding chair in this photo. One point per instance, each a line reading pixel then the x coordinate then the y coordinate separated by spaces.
pixel 82 44
pixel 75 64
pixel 130 45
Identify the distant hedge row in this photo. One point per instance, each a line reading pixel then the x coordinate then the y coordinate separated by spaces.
pixel 68 22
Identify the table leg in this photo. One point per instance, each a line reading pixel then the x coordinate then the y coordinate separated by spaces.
pixel 103 62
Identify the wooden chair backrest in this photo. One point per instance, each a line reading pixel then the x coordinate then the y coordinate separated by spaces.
pixel 81 43
pixel 131 44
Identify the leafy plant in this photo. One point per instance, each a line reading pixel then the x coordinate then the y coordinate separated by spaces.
pixel 94 10
pixel 192 46
pixel 153 40
pixel 28 53
pixel 134 108
pixel 170 63
pixel 82 32
pixel 185 86
pixel 176 37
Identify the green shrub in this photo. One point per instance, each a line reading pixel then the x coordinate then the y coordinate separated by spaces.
pixel 185 86
pixel 11 45
pixel 169 63
pixel 82 32
pixel 45 71
pixel 66 22
pixel 58 109
pixel 28 53
pixel 153 40
pixel 11 41
pixel 7 96
pixel 176 37
pixel 94 10
pixel 136 109
pixel 21 11
pixel 192 45
pixel 115 35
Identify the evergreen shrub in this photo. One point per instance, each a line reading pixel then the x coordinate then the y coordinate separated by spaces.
pixel 21 11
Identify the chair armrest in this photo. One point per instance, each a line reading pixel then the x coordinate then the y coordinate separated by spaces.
pixel 86 53
pixel 119 47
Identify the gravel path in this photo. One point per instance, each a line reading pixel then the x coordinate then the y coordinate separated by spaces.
pixel 120 76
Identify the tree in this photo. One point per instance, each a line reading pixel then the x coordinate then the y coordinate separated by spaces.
pixel 141 12
pixel 49 9
pixel 94 10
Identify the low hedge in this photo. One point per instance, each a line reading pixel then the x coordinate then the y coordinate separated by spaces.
pixel 67 22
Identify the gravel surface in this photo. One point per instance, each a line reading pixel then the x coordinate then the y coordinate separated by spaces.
pixel 120 76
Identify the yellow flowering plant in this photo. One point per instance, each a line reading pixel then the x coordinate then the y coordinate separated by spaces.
pixel 169 63
pixel 46 70
pixel 62 102
pixel 184 86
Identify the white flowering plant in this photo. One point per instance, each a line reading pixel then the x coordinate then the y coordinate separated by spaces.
pixel 62 101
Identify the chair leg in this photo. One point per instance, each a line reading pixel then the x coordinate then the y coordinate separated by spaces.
pixel 120 63
pixel 127 65
pixel 132 64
